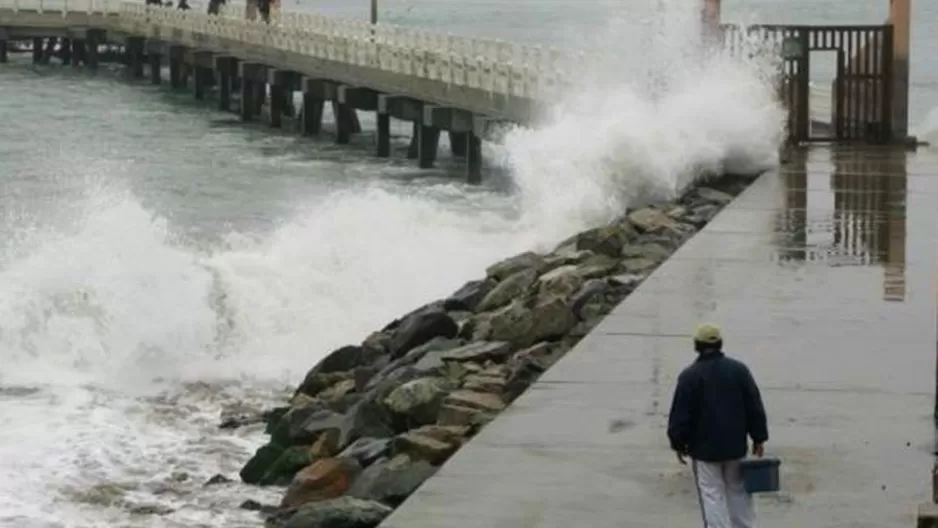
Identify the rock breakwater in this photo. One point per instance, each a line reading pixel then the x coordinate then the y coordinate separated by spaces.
pixel 372 421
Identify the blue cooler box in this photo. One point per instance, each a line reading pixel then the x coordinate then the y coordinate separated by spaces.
pixel 760 475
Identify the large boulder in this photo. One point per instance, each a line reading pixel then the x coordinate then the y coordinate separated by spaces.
pixel 484 382
pixel 638 265
pixel 282 470
pixel 653 251
pixel 560 282
pixel 528 364
pixel 597 266
pixel 482 401
pixel 420 328
pixel 478 351
pixel 346 358
pixel 240 414
pixel 367 450
pixel 256 468
pixel 699 215
pixel 434 346
pixel 370 416
pixel 651 220
pixel 390 328
pixel 316 382
pixel 713 195
pixel 343 512
pixel 433 443
pixel 522 326
pixel 469 296
pixel 275 464
pixel 306 424
pixel 606 240
pixel 418 401
pixel 322 480
pixel 589 298
pixel 511 288
pixel 391 481
pixel 452 414
pixel 505 268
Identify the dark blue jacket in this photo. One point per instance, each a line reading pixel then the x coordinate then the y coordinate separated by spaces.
pixel 716 404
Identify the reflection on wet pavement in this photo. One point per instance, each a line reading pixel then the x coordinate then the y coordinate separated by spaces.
pixel 823 278
pixel 865 223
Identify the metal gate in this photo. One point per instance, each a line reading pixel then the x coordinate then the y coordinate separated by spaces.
pixel 861 91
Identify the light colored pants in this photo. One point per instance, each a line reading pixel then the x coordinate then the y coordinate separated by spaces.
pixel 724 502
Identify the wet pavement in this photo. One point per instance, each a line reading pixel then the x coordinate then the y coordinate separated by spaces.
pixel 823 279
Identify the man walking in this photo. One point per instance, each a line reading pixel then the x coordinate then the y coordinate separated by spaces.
pixel 716 405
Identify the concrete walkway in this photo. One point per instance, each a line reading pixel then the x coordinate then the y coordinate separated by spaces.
pixel 823 279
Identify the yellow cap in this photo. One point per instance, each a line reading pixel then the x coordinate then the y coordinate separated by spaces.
pixel 707 333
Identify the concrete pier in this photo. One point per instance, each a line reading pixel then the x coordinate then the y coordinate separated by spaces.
pixel 822 277
pixel 196 66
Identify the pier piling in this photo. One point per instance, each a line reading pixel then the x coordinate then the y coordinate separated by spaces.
pixel 176 79
pixel 78 51
pixel 156 64
pixel 65 51
pixel 226 69
pixel 429 142
pixel 134 52
pixel 281 84
pixel 93 37
pixel 473 159
pixel 37 50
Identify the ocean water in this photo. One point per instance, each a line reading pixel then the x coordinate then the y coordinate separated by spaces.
pixel 159 260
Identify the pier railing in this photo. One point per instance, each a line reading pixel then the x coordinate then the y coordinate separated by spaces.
pixel 499 67
pixel 63 7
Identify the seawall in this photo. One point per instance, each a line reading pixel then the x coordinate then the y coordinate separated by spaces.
pixel 372 421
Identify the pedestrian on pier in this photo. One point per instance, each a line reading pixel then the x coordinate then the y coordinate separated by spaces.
pixel 716 405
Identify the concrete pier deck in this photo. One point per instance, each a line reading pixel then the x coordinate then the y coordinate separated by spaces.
pixel 822 276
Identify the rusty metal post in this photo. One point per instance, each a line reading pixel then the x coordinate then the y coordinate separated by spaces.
pixel 900 15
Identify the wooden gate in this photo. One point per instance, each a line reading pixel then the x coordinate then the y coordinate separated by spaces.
pixel 861 91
